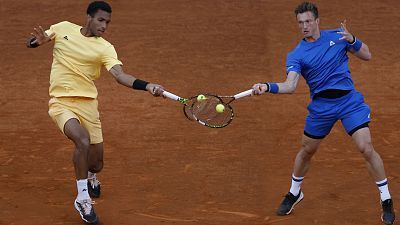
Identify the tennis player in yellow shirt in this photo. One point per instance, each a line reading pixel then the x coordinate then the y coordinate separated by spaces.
pixel 78 55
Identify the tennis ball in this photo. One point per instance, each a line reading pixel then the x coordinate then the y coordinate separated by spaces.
pixel 201 98
pixel 220 108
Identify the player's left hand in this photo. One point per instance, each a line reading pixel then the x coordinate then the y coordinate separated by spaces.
pixel 155 89
pixel 346 34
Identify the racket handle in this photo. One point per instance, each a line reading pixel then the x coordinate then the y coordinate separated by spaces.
pixel 243 94
pixel 171 96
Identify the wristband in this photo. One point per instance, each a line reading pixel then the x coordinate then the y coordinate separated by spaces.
pixel 33 45
pixel 139 84
pixel 356 44
pixel 272 88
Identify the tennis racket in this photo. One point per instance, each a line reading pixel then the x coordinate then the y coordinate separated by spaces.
pixel 187 103
pixel 204 110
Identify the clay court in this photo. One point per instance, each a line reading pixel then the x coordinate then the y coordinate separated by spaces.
pixel 161 168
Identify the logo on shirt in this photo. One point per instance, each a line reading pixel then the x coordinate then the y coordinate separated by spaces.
pixel 66 38
pixel 331 43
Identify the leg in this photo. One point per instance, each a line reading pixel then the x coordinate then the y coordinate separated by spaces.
pixel 95 158
pixel 301 165
pixel 362 139
pixel 303 158
pixel 77 134
pixel 95 166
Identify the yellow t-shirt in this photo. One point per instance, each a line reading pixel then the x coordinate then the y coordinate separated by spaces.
pixel 77 61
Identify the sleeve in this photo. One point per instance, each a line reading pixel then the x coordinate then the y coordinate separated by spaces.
pixel 293 63
pixel 110 58
pixel 53 29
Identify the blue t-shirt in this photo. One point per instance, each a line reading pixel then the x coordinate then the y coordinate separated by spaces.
pixel 323 63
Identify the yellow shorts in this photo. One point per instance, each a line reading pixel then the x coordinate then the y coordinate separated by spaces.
pixel 85 110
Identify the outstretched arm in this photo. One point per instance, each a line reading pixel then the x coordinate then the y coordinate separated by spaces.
pixel 38 37
pixel 130 81
pixel 359 48
pixel 287 87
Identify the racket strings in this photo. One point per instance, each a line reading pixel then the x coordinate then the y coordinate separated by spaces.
pixel 205 111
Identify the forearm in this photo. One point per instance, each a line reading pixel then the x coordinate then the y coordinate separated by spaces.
pixel 286 88
pixel 364 53
pixel 125 79
pixel 360 49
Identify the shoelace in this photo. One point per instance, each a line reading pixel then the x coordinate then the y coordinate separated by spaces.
pixel 86 205
pixel 94 182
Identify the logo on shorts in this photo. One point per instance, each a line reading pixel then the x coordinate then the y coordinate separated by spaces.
pixel 331 43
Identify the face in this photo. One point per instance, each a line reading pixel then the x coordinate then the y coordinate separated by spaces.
pixel 309 26
pixel 98 24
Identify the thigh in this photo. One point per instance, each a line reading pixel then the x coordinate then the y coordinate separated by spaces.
pixel 74 131
pixel 320 119
pixel 318 127
pixel 362 137
pixel 60 113
pixel 310 145
pixel 90 119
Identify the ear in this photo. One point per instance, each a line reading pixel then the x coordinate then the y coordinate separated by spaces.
pixel 88 18
pixel 317 21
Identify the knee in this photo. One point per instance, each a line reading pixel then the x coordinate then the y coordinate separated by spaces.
pixel 82 144
pixel 307 152
pixel 366 149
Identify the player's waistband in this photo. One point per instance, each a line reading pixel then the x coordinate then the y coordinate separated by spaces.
pixel 332 93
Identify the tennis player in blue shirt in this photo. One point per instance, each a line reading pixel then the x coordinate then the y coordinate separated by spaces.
pixel 321 58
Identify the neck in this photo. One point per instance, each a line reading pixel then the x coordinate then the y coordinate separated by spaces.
pixel 314 37
pixel 85 32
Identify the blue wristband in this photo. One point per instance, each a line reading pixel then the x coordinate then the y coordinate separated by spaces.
pixel 272 88
pixel 356 45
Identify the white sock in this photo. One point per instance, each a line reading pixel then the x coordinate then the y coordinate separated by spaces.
pixel 296 185
pixel 82 189
pixel 383 189
pixel 91 175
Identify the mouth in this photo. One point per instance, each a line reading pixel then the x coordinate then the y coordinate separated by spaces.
pixel 101 31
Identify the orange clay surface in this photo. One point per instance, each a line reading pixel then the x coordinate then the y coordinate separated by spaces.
pixel 162 169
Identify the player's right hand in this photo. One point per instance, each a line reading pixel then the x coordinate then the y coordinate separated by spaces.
pixel 259 89
pixel 155 89
pixel 41 36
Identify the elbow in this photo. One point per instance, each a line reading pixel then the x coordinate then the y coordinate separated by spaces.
pixel 291 89
pixel 368 57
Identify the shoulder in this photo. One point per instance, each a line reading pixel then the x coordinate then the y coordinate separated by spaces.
pixel 296 50
pixel 331 32
pixel 64 24
pixel 105 43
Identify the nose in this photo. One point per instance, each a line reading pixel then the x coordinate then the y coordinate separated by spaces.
pixel 104 25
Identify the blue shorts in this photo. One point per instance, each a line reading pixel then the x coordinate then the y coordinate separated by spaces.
pixel 323 114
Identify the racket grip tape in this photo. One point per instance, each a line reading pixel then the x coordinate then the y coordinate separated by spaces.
pixel 171 96
pixel 243 94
